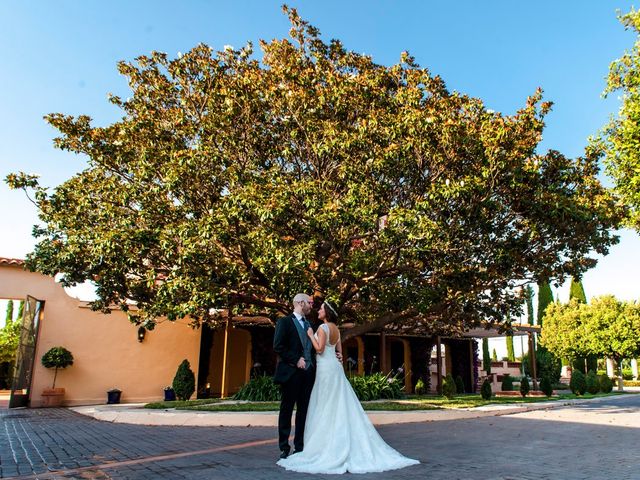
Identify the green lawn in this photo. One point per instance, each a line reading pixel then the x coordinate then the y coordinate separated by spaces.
pixel 426 402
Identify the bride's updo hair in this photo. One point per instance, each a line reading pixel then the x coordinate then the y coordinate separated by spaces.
pixel 331 312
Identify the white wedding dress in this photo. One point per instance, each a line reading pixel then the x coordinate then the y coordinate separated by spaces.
pixel 338 435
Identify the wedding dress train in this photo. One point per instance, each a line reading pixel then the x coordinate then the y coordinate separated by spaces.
pixel 338 436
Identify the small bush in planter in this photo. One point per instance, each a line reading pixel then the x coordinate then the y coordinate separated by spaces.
pixel 524 386
pixel 57 357
pixel 459 384
pixel 578 383
pixel 593 385
pixel 546 387
pixel 485 390
pixel 184 383
pixel 507 383
pixel 420 387
pixel 448 386
pixel 606 385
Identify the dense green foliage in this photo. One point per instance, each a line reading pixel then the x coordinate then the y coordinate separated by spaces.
pixel 10 334
pixel 507 383
pixel 459 384
pixel 592 382
pixel 259 389
pixel 578 383
pixel 547 364
pixel 420 388
pixel 485 390
pixel 511 356
pixel 621 136
pixel 524 386
pixel 448 386
pixel 242 179
pixel 606 385
pixel 486 359
pixel 606 327
pixel 57 357
pixel 577 291
pixel 545 298
pixel 528 292
pixel 184 382
pixel 376 386
pixel 546 386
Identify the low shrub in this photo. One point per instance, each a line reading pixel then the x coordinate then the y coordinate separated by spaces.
pixel 259 389
pixel 606 385
pixel 593 385
pixel 507 383
pixel 578 383
pixel 184 383
pixel 485 390
pixel 546 387
pixel 524 386
pixel 448 386
pixel 376 386
pixel 420 388
pixel 459 384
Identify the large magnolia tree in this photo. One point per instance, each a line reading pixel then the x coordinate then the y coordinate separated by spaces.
pixel 233 180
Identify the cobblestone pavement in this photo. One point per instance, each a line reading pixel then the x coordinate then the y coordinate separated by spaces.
pixel 590 441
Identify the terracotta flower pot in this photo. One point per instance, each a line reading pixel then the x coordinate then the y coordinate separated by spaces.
pixel 52 397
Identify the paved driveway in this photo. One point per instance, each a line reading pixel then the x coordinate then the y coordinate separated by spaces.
pixel 592 441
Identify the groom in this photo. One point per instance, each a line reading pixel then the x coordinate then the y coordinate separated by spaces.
pixel 295 372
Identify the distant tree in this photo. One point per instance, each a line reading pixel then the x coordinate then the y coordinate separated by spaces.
pixel 613 329
pixel 590 362
pixel 10 335
pixel 577 291
pixel 494 356
pixel 529 300
pixel 486 358
pixel 545 298
pixel 511 356
pixel 562 332
pixel 9 317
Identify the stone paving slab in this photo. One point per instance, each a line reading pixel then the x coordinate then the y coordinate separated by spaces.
pixel 589 440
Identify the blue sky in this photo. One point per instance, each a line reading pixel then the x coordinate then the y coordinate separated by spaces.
pixel 61 57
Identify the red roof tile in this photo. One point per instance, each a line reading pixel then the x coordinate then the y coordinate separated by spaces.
pixel 11 261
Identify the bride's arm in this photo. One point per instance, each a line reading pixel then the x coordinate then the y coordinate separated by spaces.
pixel 320 342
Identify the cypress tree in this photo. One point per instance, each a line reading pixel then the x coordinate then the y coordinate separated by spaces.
pixel 9 318
pixel 545 297
pixel 577 291
pixel 511 356
pixel 486 359
pixel 494 357
pixel 529 297
pixel 20 310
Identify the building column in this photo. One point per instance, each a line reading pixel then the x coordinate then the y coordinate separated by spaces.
pixel 634 368
pixel 439 364
pixel 610 368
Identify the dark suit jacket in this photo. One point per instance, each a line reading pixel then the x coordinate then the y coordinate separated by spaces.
pixel 287 344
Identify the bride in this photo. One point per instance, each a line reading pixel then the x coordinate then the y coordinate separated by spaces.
pixel 338 435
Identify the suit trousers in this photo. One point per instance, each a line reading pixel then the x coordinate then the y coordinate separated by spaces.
pixel 295 391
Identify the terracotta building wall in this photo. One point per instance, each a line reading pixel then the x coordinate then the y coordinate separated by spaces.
pixel 106 350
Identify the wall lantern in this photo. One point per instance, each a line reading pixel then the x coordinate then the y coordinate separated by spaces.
pixel 141 333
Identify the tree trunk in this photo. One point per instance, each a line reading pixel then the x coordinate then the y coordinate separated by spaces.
pixel 620 379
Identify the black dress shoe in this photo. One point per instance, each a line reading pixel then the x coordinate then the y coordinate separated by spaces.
pixel 284 453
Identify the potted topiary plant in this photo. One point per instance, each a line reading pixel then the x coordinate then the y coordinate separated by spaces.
pixel 57 357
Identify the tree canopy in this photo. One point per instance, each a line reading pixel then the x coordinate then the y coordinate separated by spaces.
pixel 237 180
pixel 606 327
pixel 621 136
